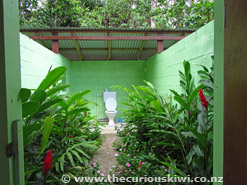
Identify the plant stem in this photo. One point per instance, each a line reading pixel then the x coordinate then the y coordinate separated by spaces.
pixel 184 153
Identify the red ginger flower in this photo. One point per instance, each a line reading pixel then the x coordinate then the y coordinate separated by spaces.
pixel 203 99
pixel 71 137
pixel 139 164
pixel 47 162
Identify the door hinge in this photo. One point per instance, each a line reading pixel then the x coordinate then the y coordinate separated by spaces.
pixel 9 150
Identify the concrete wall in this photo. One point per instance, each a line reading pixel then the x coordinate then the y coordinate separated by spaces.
pixel 36 61
pixel 162 69
pixel 98 75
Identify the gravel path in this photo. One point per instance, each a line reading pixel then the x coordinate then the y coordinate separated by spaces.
pixel 105 155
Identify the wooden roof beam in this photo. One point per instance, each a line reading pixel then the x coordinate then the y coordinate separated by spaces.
pixel 160 44
pixel 55 47
pixel 77 48
pixel 40 41
pixel 112 49
pixel 141 48
pixel 106 37
pixel 109 47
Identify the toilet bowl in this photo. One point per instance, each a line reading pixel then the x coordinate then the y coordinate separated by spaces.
pixel 111 105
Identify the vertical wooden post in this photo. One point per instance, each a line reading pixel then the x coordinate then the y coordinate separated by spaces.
pixel 160 44
pixel 235 93
pixel 55 43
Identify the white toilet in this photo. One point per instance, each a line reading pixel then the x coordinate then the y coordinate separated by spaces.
pixel 111 105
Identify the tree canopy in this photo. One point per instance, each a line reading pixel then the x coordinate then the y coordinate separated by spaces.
pixel 116 13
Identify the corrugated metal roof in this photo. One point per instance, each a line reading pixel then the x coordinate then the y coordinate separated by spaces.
pixel 98 49
pixel 104 29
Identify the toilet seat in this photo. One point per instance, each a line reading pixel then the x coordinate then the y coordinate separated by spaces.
pixel 111 105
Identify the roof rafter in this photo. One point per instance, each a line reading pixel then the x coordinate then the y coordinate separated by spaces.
pixel 109 47
pixel 77 48
pixel 141 48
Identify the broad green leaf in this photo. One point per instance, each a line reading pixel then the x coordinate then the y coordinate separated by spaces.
pixel 77 111
pixel 57 166
pixel 164 131
pixel 181 102
pixel 70 158
pixel 48 104
pixel 200 137
pixel 157 105
pixel 174 92
pixel 31 171
pixel 83 153
pixel 182 75
pixel 29 129
pixel 77 155
pixel 61 161
pixel 190 155
pixel 194 93
pixel 205 68
pixel 63 104
pixel 46 132
pixel 186 68
pixel 166 144
pixel 38 96
pixel 198 151
pixel 174 168
pixel 24 94
pixel 52 77
pixel 56 89
pixel 147 90
pixel 149 84
pixel 84 144
pixel 29 108
pixel 77 96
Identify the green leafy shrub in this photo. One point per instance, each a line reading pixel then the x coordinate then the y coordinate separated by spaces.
pixel 171 137
pixel 57 126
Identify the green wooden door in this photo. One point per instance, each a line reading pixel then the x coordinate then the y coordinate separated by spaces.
pixel 11 146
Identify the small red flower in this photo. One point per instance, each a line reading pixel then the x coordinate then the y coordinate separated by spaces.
pixel 71 137
pixel 139 164
pixel 203 99
pixel 47 162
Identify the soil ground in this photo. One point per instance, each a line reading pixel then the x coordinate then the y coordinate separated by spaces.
pixel 105 155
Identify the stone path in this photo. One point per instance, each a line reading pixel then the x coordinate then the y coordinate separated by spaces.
pixel 105 155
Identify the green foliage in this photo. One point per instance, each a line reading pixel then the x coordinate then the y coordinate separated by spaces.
pixel 176 134
pixel 58 122
pixel 120 13
pixel 46 132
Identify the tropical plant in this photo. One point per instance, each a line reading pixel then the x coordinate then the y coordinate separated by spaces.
pixel 58 126
pixel 179 134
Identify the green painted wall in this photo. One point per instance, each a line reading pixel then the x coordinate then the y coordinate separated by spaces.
pixel 162 69
pixel 36 61
pixel 97 75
